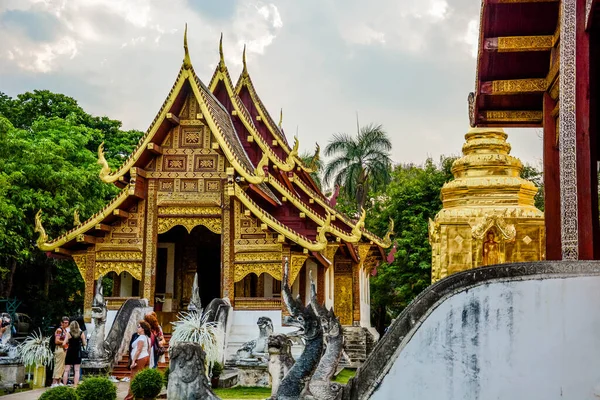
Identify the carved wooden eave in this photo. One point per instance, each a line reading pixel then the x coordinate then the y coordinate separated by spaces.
pixel 517 50
pixel 97 223
pixel 245 82
pixel 292 161
pixel 277 226
pixel 214 115
pixel 221 77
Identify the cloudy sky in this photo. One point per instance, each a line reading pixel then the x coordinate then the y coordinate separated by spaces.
pixel 406 64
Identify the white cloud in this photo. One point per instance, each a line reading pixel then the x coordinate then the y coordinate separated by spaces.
pixel 438 9
pixel 43 58
pixel 472 36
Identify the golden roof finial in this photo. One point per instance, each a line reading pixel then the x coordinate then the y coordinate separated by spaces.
pixel 280 118
pixel 187 63
pixel 76 220
pixel 221 58
pixel 244 70
pixel 42 238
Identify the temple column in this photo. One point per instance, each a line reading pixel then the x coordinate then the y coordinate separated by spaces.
pixel 551 182
pixel 578 176
pixel 227 279
pixel 356 290
pixel 90 283
pixel 150 243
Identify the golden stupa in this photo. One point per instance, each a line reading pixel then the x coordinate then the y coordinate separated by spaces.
pixel 488 215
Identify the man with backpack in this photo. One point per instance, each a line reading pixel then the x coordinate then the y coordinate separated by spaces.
pixel 57 344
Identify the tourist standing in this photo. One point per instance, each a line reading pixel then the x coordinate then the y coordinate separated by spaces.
pixel 76 340
pixel 60 336
pixel 140 353
pixel 157 339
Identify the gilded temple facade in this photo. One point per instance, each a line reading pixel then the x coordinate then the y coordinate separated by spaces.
pixel 214 188
pixel 488 214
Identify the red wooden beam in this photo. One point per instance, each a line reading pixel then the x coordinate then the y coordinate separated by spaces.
pixel 587 180
pixel 551 183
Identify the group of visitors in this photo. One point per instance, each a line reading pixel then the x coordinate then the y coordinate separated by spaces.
pixel 69 341
pixel 146 346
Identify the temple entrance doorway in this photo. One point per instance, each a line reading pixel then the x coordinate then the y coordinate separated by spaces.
pixel 179 256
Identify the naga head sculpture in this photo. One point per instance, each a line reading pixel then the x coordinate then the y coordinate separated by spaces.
pixel 301 316
pixel 99 304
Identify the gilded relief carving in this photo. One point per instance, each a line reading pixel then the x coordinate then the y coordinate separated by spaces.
pixel 243 269
pixel 343 298
pixel 175 163
pixel 205 163
pixel 104 267
pixel 189 211
pixel 118 255
pixel 81 262
pixel 213 224
pixel 258 256
pixel 485 213
pixel 296 263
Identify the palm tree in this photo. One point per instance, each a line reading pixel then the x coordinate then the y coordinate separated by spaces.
pixel 360 163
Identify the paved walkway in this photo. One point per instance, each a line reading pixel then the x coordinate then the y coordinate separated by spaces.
pixel 122 388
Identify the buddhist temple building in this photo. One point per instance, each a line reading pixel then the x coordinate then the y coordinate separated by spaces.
pixel 215 188
pixel 536 67
pixel 488 215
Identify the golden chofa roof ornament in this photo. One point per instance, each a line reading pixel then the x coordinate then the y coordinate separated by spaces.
pixel 488 215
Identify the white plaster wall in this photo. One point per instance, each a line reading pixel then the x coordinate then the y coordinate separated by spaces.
pixel 329 287
pixel 126 289
pixel 365 300
pixel 268 285
pixel 521 340
pixel 312 267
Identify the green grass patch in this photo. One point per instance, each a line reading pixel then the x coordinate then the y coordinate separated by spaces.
pixel 240 392
pixel 344 376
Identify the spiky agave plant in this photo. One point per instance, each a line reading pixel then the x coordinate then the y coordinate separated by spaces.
pixel 194 327
pixel 35 350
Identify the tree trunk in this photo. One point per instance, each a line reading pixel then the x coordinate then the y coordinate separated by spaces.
pixel 11 275
pixel 47 279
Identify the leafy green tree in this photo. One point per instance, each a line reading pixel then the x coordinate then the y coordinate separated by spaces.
pixel 48 162
pixel 411 198
pixel 536 176
pixel 360 164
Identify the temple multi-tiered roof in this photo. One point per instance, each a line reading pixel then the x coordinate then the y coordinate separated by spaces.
pixel 214 157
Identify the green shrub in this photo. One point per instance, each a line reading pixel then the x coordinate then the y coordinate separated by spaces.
pixel 147 384
pixel 217 369
pixel 59 393
pixel 97 389
pixel 166 377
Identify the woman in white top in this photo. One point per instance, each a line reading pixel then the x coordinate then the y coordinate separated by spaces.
pixel 140 353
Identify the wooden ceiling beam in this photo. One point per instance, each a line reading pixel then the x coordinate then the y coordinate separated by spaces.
pixel 102 227
pixel 499 117
pixel 514 86
pixel 507 44
pixel 154 148
pixel 520 1
pixel 120 213
pixel 172 118
pixel 86 239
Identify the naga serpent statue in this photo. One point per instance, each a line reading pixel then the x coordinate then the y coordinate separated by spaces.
pixel 293 385
pixel 97 349
pixel 320 385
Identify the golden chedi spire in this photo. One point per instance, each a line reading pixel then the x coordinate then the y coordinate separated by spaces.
pixel 187 63
pixel 488 214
